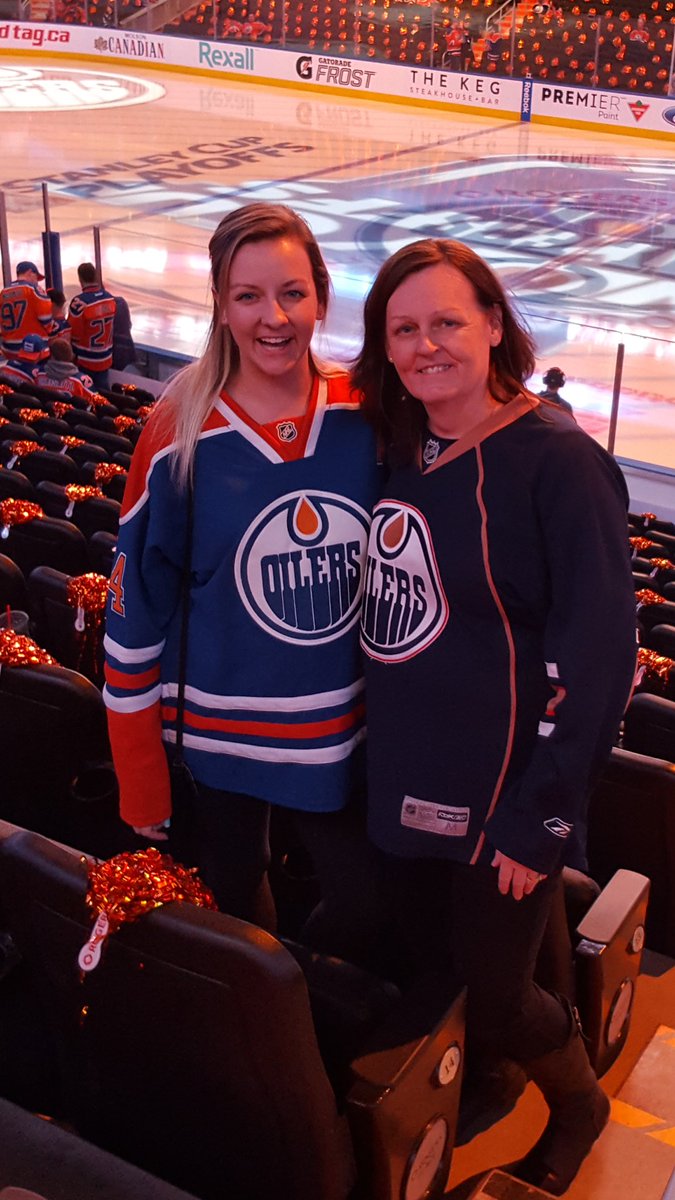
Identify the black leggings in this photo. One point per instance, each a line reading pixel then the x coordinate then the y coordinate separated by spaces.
pixel 451 917
pixel 226 836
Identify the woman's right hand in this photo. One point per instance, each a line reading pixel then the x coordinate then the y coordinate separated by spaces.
pixel 154 833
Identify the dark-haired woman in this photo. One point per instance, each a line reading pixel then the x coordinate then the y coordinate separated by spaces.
pixel 499 629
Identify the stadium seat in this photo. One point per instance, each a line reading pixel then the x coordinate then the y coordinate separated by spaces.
pixel 102 548
pixel 50 425
pixel 56 774
pixel 113 488
pixel 635 799
pixel 87 452
pixel 649 727
pixel 91 516
pixel 649 615
pixel 36 1154
pixel 15 486
pixel 21 398
pixel 47 542
pixel 54 625
pixel 14 432
pixel 242 1107
pixel 85 418
pixel 109 441
pixel 13 591
pixel 50 466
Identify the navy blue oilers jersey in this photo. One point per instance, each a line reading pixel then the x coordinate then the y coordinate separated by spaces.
pixel 274 683
pixel 499 630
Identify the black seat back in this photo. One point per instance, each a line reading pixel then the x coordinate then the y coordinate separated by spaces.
pixel 195 1056
pixel 15 486
pixel 54 624
pixel 47 541
pixel 662 639
pixel 649 727
pixel 92 515
pixel 13 591
pixel 631 823
pixel 52 727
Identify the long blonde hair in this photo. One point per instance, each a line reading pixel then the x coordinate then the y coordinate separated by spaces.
pixel 190 394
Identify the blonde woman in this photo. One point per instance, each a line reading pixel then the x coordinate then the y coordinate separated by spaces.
pixel 282 470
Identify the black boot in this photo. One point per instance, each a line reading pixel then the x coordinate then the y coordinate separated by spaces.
pixel 490 1090
pixel 579 1113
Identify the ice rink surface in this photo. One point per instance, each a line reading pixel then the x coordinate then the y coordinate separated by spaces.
pixel 580 225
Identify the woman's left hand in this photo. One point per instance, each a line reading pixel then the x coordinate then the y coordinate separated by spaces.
pixel 514 877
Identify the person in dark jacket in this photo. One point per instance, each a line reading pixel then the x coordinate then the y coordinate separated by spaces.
pixel 498 626
pixel 124 351
pixel 553 381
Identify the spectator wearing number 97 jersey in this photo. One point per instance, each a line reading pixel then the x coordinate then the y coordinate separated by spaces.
pixel 90 316
pixel 25 310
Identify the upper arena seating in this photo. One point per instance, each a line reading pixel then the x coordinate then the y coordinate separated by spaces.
pixel 593 42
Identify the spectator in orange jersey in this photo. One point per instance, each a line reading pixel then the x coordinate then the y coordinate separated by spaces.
pixel 60 372
pixel 24 309
pixel 91 318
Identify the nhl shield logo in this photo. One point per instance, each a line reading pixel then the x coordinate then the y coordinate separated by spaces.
pixel 404 605
pixel 299 566
pixel 287 431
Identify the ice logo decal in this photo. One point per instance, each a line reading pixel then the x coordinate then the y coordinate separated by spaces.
pixel 299 566
pixel 404 605
pixel 66 89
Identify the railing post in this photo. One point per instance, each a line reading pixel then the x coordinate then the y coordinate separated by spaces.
pixel 616 395
pixel 4 243
pixel 596 77
pixel 97 253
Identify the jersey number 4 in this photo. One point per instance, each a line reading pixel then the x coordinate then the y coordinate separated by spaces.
pixel 116 585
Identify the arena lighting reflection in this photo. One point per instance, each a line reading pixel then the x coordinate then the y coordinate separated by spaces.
pixel 636 340
pixel 152 259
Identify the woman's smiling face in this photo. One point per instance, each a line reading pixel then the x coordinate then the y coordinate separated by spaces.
pixel 439 337
pixel 270 306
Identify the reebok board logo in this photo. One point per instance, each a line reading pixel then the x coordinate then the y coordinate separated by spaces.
pixel 638 109
pixel 404 606
pixel 299 566
pixel 560 828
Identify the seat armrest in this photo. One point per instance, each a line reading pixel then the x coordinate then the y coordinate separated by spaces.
pixel 625 891
pixel 403 1104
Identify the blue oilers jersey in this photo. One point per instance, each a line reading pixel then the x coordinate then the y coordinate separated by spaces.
pixel 499 631
pixel 274 683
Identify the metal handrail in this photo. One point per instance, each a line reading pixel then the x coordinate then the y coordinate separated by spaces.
pixel 497 13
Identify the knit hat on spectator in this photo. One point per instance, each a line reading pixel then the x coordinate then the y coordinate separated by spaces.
pixel 33 348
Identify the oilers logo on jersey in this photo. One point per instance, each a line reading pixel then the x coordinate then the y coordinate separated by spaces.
pixel 299 566
pixel 404 606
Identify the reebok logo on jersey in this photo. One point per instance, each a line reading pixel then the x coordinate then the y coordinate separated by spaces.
pixel 299 566
pixel 560 828
pixel 404 606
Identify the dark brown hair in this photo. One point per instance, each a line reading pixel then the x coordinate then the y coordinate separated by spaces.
pixel 398 417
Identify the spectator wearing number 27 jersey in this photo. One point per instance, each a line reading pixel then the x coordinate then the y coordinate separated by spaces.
pixel 91 316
